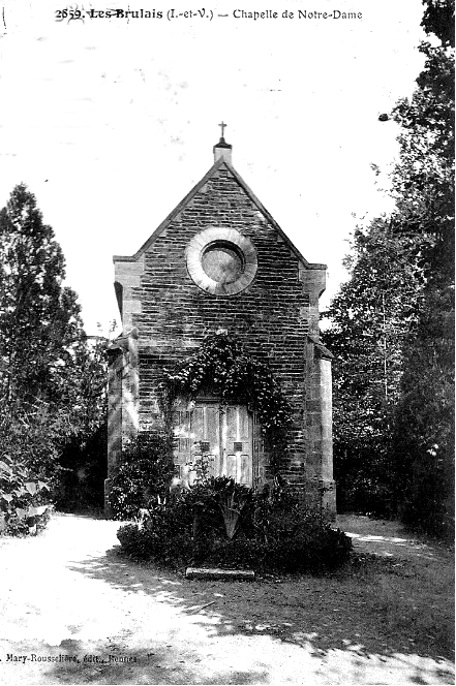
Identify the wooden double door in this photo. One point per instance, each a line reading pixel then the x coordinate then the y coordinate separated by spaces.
pixel 220 436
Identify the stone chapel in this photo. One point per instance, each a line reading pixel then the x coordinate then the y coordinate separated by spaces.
pixel 220 262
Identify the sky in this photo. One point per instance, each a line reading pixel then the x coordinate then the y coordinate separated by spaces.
pixel 110 122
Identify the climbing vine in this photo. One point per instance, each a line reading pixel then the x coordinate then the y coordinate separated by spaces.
pixel 223 367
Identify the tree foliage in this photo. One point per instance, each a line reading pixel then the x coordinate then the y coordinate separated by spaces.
pixel 370 319
pixel 393 423
pixel 37 313
pixel 424 180
pixel 142 475
pixel 51 377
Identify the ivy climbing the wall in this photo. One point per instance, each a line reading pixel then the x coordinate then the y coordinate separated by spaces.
pixel 223 367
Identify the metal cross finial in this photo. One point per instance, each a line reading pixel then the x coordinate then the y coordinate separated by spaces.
pixel 223 127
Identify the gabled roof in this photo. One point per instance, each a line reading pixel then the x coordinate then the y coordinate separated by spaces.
pixel 189 197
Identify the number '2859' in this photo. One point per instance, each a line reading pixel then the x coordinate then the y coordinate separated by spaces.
pixel 68 14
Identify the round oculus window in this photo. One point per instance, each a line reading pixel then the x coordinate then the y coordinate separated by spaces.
pixel 221 261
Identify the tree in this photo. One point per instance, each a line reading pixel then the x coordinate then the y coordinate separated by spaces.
pixel 402 274
pixel 424 184
pixel 51 377
pixel 39 317
pixel 370 319
pixel 438 19
pixel 423 181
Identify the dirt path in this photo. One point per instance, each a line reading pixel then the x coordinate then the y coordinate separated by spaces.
pixel 64 597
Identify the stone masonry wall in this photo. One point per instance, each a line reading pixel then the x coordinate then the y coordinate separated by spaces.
pixel 272 316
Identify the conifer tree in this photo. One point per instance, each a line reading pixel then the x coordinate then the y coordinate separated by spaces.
pixel 51 376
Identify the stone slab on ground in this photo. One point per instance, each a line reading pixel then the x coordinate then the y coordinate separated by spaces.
pixel 219 574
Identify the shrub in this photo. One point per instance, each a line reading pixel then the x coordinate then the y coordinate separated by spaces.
pixel 315 550
pixel 220 507
pixel 165 537
pixel 223 523
pixel 143 473
pixel 239 553
pixel 296 538
pixel 277 511
pixel 24 506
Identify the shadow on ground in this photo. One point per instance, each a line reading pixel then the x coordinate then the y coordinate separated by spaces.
pixel 116 663
pixel 386 618
pixel 374 606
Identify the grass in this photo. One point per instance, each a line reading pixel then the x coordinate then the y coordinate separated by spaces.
pixel 415 606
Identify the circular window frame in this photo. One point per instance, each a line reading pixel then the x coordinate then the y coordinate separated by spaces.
pixel 207 240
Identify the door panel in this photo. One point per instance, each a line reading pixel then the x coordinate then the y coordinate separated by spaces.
pixel 182 436
pixel 237 444
pixel 245 470
pixel 238 467
pixel 225 436
pixel 245 425
pixel 212 437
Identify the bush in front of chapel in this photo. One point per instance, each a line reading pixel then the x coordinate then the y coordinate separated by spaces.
pixel 143 472
pixel 221 523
